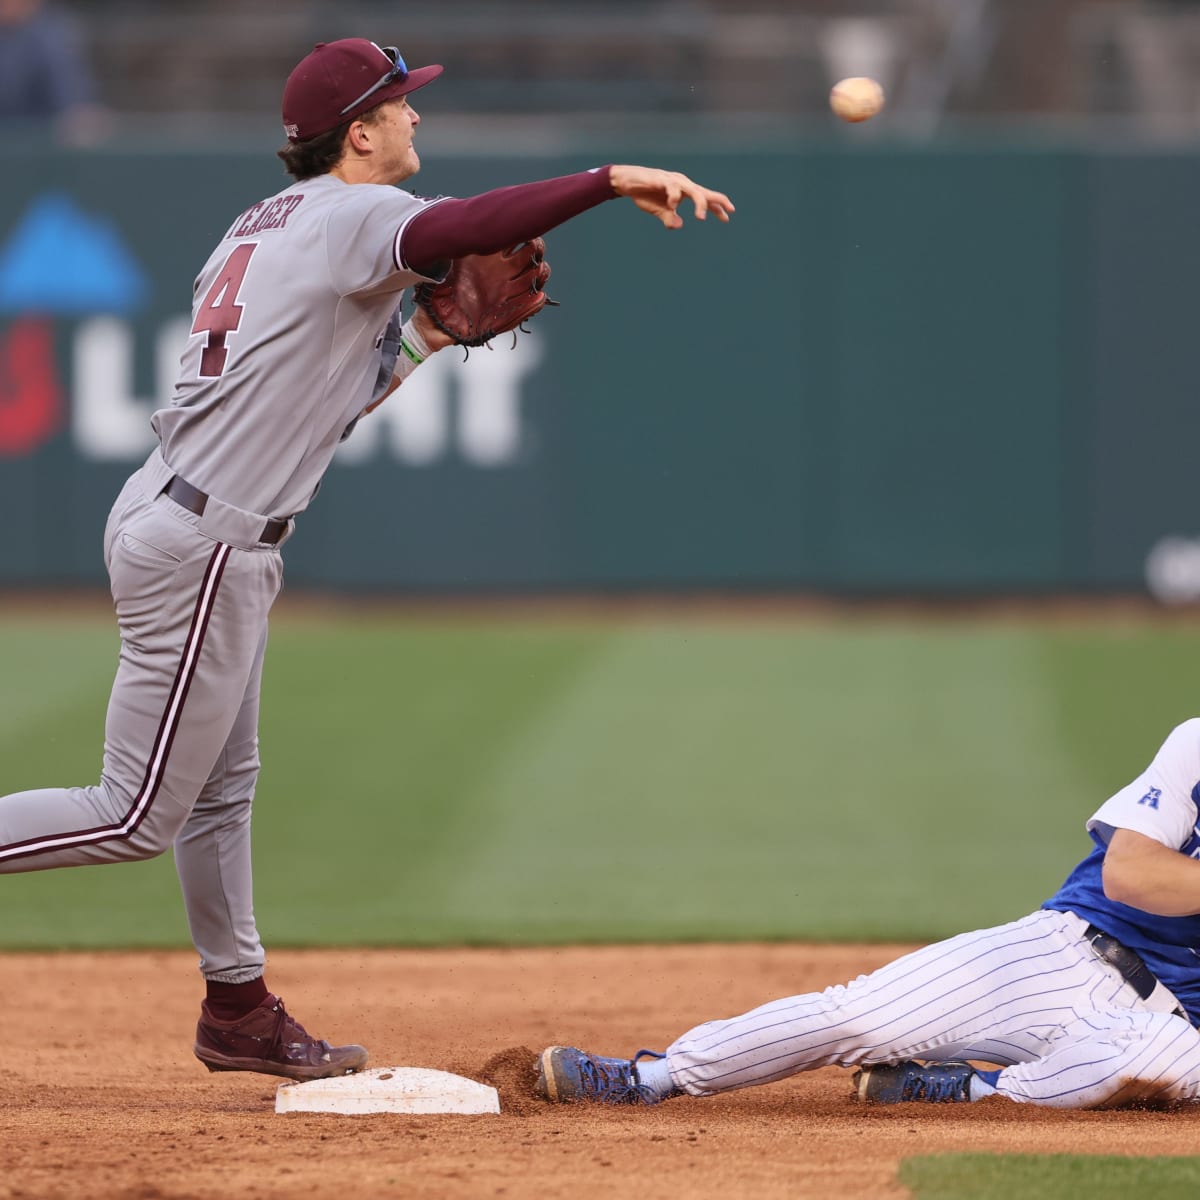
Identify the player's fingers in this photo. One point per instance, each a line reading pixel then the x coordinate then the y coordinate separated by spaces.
pixel 716 202
pixel 722 201
pixel 673 192
pixel 667 213
pixel 705 200
pixel 655 208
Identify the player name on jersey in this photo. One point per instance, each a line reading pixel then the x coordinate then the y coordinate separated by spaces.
pixel 265 215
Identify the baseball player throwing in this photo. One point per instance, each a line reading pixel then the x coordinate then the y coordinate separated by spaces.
pixel 296 333
pixel 1090 1002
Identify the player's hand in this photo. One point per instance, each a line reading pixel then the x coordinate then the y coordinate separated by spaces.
pixel 435 339
pixel 660 193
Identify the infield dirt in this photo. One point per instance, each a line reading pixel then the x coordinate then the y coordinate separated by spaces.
pixel 100 1095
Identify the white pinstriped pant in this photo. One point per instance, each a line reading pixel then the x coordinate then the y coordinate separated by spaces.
pixel 1029 996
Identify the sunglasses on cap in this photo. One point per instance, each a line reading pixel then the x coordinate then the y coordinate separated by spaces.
pixel 399 70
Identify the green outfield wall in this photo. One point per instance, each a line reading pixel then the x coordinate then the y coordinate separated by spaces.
pixel 943 368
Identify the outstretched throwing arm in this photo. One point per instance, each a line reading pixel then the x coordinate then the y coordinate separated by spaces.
pixel 492 221
pixel 660 193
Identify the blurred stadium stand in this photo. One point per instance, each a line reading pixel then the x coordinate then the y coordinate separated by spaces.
pixel 1143 60
pixel 192 64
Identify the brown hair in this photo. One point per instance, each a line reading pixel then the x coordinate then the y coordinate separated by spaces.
pixel 319 155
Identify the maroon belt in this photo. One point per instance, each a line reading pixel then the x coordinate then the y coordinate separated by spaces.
pixel 194 500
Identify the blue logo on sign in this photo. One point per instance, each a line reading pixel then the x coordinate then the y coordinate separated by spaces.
pixel 61 260
pixel 1152 797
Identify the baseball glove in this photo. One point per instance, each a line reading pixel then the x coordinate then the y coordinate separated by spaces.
pixel 487 294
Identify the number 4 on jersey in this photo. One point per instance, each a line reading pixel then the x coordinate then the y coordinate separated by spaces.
pixel 220 313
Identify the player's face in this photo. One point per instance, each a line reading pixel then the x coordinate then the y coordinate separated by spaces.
pixel 397 158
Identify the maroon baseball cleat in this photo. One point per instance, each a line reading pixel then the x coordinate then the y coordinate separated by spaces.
pixel 270 1041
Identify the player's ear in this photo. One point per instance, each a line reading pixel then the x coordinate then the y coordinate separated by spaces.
pixel 358 137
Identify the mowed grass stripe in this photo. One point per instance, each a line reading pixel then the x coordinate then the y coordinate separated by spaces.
pixel 777 784
pixel 47 667
pixel 382 746
pixel 523 781
pixel 1049 1177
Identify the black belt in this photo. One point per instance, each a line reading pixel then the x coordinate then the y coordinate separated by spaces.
pixel 194 500
pixel 1128 964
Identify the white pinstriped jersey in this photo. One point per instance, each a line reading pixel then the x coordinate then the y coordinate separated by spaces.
pixel 1029 996
pixel 294 331
pixel 1032 996
pixel 1161 803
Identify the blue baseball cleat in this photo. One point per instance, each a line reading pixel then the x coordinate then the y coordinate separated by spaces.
pixel 894 1083
pixel 566 1074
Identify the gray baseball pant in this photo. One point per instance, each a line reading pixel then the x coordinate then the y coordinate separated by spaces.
pixel 192 596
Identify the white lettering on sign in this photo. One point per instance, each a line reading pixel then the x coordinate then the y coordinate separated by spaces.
pixel 471 408
pixel 449 407
pixel 109 422
pixel 413 422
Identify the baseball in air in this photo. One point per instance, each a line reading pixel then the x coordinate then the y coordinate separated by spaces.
pixel 856 99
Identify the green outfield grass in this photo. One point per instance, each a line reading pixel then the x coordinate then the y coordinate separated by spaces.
pixel 525 780
pixel 1049 1177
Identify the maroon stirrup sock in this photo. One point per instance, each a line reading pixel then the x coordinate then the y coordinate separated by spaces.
pixel 231 1001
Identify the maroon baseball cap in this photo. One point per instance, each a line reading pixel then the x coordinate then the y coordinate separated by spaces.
pixel 341 80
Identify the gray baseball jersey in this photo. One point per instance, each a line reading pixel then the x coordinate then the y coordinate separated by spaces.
pixel 289 312
pixel 295 329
